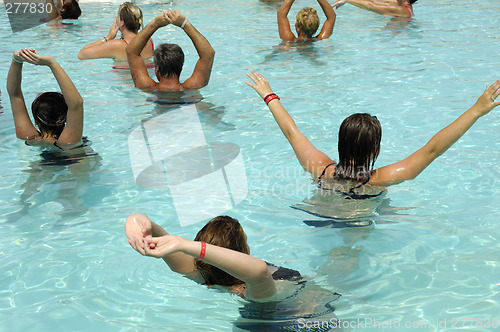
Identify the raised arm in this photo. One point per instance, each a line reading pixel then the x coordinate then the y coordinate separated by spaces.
pixel 412 166
pixel 203 69
pixel 107 47
pixel 138 68
pixel 139 227
pixel 52 9
pixel 376 6
pixel 327 29
pixel 311 159
pixel 251 270
pixel 284 29
pixel 24 127
pixel 72 132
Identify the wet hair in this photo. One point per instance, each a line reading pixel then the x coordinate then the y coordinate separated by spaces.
pixel 308 21
pixel 359 146
pixel 131 15
pixel 169 59
pixel 49 110
pixel 226 232
pixel 413 1
pixel 71 10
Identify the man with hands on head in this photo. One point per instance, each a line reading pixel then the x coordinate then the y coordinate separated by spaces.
pixel 169 58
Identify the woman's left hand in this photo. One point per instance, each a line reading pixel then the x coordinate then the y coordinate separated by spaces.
pixel 261 85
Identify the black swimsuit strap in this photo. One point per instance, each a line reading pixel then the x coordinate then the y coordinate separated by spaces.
pixel 324 170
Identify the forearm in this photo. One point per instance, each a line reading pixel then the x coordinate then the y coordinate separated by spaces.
pixel 71 95
pixel 283 119
pixel 242 266
pixel 445 138
pixel 135 47
pixel 202 45
pixel 285 8
pixel 14 79
pixel 328 10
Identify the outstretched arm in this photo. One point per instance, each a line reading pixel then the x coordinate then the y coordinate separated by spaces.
pixel 203 69
pixel 138 227
pixel 138 68
pixel 24 127
pixel 327 29
pixel 251 270
pixel 412 166
pixel 379 7
pixel 72 132
pixel 311 159
pixel 106 47
pixel 283 24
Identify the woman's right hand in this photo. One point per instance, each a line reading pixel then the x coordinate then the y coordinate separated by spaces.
pixel 261 85
pixel 113 30
pixel 486 102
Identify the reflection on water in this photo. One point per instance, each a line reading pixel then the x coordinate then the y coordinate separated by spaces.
pixel 304 50
pixel 342 206
pixel 57 183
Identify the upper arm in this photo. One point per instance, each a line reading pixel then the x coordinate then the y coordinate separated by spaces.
pixel 73 130
pixel 22 122
pixel 263 285
pixel 284 26
pixel 201 73
pixel 406 169
pixel 311 159
pixel 327 29
pixel 110 49
pixel 389 8
pixel 139 72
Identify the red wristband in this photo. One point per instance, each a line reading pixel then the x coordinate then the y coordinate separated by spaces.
pixel 203 250
pixel 270 97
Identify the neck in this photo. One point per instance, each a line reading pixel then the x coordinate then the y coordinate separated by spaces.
pixel 170 83
pixel 128 35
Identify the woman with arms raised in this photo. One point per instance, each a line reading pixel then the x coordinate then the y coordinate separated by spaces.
pixel 58 116
pixel 128 22
pixel 359 142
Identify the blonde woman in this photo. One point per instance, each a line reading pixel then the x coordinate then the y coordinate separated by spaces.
pixel 307 22
pixel 128 22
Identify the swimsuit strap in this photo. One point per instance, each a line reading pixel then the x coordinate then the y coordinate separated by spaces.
pixel 324 170
pixel 411 12
pixel 126 42
pixel 152 45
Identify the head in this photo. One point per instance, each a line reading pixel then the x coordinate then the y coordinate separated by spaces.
pixel 226 232
pixel 359 146
pixel 70 9
pixel 131 15
pixel 169 59
pixel 49 111
pixel 307 22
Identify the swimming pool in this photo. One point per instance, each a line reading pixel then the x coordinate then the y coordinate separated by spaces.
pixel 431 259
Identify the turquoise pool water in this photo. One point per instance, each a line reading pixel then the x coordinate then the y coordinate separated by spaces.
pixel 431 259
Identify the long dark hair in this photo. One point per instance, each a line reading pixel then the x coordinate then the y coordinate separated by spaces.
pixel 226 232
pixel 359 146
pixel 49 110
